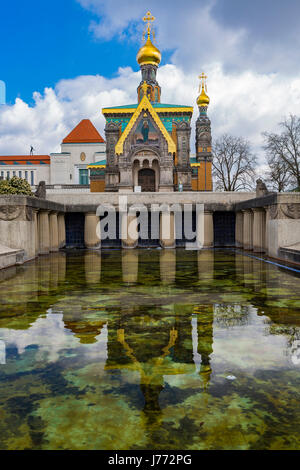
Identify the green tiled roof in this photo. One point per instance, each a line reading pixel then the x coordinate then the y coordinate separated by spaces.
pixel 161 105
pixel 155 105
pixel 102 163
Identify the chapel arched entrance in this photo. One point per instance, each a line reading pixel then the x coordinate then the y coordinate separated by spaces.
pixel 146 178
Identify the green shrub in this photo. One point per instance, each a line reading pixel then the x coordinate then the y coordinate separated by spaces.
pixel 15 186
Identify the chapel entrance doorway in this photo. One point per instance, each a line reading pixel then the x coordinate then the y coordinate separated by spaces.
pixel 147 180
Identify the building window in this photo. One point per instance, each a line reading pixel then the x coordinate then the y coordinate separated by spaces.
pixel 14 173
pixel 2 175
pixel 20 174
pixel 26 175
pixel 32 178
pixel 8 175
pixel 84 177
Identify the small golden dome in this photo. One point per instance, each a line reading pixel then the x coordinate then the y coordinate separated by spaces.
pixel 203 99
pixel 149 54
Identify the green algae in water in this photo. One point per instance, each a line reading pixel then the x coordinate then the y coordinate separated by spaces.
pixel 135 349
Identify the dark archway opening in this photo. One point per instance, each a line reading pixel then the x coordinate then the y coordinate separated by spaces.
pixel 75 230
pixel 147 180
pixel 224 229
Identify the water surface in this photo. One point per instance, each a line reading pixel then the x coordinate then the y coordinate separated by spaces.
pixel 149 349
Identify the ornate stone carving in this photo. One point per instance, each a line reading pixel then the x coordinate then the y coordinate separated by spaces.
pixel 284 211
pixel 29 213
pixel 112 136
pixel 290 211
pixel 9 213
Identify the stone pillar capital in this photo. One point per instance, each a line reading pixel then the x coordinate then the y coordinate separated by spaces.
pixel 258 209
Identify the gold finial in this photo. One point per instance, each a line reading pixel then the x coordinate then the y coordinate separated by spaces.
pixel 149 19
pixel 203 100
pixel 203 79
pixel 148 53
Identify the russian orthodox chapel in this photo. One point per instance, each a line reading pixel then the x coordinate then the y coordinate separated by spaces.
pixel 148 143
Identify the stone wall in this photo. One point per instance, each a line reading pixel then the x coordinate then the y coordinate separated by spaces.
pixel 30 224
pixel 268 224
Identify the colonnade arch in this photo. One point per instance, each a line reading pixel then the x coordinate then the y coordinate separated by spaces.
pixel 146 160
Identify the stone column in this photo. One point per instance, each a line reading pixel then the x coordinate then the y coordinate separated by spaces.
pixel 91 238
pixel 53 231
pixel 130 235
pixel 259 230
pixel 247 229
pixel 44 232
pixel 167 230
pixel 36 231
pixel 267 220
pixel 61 231
pixel 208 229
pixel 251 230
pixel 239 228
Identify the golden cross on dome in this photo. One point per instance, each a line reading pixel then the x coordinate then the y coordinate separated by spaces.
pixel 203 79
pixel 149 19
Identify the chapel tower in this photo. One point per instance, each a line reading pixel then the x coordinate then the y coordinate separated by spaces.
pixel 203 139
pixel 148 142
pixel 149 58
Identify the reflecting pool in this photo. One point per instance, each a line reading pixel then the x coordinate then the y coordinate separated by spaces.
pixel 149 349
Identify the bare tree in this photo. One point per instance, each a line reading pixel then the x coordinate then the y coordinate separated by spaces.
pixel 283 150
pixel 277 176
pixel 234 164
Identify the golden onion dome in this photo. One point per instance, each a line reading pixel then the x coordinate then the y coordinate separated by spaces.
pixel 203 99
pixel 149 54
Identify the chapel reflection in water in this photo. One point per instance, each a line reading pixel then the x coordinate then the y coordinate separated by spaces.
pixel 160 321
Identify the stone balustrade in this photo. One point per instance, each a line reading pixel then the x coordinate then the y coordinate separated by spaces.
pixel 267 224
pixel 33 225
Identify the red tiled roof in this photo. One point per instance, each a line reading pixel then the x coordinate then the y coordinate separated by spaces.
pixel 24 159
pixel 85 132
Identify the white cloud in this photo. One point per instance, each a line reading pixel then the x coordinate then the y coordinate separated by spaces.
pixel 242 104
pixel 52 337
pixel 187 28
pixel 263 36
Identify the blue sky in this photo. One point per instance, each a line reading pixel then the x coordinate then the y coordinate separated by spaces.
pixel 43 42
pixel 65 60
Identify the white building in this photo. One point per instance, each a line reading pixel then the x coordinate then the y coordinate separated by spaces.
pixel 83 146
